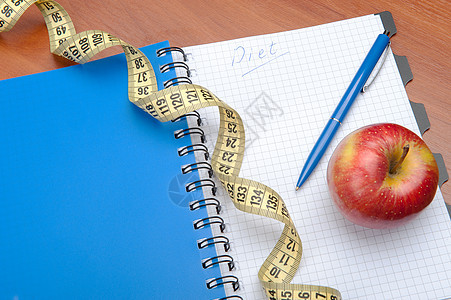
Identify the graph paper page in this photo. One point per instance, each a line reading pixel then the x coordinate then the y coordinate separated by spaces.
pixel 285 86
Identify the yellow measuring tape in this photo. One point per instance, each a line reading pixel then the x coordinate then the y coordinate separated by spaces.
pixel 250 196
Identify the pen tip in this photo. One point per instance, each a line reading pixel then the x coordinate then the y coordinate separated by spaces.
pixel 297 188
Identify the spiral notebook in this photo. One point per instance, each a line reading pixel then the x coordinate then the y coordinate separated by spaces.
pixel 97 199
pixel 92 198
pixel 285 86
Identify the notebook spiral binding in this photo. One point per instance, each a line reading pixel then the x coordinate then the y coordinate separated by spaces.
pixel 173 65
pixel 210 262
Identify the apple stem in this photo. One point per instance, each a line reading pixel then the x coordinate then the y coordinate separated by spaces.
pixel 405 150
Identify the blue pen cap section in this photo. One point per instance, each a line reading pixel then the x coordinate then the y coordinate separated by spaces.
pixel 87 185
pixel 361 77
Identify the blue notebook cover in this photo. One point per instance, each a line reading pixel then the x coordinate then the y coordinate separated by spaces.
pixel 92 202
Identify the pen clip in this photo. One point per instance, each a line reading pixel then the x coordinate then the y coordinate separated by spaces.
pixel 376 69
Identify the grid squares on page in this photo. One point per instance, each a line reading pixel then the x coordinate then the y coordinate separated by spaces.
pixel 305 82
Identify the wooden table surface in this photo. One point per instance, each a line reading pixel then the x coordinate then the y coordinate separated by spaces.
pixel 423 36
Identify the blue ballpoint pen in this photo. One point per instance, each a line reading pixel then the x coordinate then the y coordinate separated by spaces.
pixel 342 109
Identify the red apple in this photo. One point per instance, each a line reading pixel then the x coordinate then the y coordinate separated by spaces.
pixel 382 175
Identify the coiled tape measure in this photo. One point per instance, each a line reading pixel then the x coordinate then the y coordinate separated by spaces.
pixel 249 196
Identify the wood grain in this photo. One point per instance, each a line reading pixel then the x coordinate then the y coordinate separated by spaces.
pixel 423 36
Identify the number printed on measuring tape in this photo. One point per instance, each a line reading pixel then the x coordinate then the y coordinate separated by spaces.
pixel 247 195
